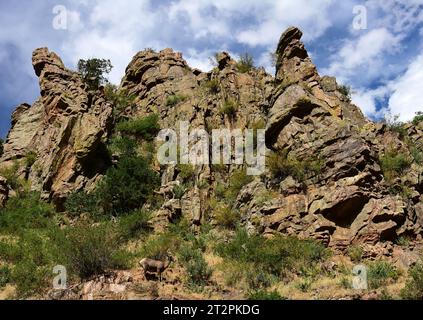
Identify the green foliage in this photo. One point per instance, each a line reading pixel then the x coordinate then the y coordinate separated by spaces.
pixel 179 192
pixel 134 224
pixel 82 202
pixel 186 171
pixel 417 154
pixel 418 118
pixel 127 186
pixel 30 159
pixel 237 181
pixel 393 164
pixel 403 241
pixel 355 253
pixel 175 99
pixel 304 285
pixel 5 276
pixel 120 99
pixel 146 128
pixel 380 272
pixel 92 250
pixel 197 269
pixel 25 212
pixel 212 86
pixel 226 217
pixel 158 246
pixel 93 72
pixel 282 165
pixel 123 146
pixel 262 295
pixel 396 126
pixel 270 257
pixel 245 63
pixel 345 283
pixel 345 91
pixel 229 108
pixel 11 175
pixel 414 287
pixel 33 257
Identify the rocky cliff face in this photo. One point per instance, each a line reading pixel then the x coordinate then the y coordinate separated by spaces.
pixel 306 117
pixel 65 128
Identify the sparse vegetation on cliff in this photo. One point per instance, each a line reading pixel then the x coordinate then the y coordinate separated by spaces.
pixel 93 72
pixel 245 63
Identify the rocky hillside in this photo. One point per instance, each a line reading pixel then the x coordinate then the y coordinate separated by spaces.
pixel 331 174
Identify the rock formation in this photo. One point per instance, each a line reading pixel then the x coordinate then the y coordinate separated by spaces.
pixel 66 128
pixel 305 116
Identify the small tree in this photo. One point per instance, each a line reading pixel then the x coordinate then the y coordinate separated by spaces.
pixel 346 91
pixel 245 63
pixel 1 147
pixel 93 72
pixel 127 186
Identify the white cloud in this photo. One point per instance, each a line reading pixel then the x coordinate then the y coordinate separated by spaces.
pixel 406 99
pixel 363 56
pixel 367 100
pixel 311 16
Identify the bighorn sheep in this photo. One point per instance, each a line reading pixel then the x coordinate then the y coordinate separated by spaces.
pixel 155 266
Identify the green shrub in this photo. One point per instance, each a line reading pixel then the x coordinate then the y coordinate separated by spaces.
pixel 245 63
pixel 146 128
pixel 237 181
pixel 393 163
pixel 81 202
pixel 396 126
pixel 123 146
pixel 282 165
pixel 30 279
pixel 179 192
pixel 196 267
pixel 26 212
pixel 186 172
pixel 345 91
pixel 120 99
pixel 33 256
pixel 93 72
pixel 30 159
pixel 1 147
pixel 5 276
pixel 355 253
pixel 418 118
pixel 212 86
pixel 380 272
pixel 134 224
pixel 345 283
pixel 159 246
pixel 403 241
pixel 175 99
pixel 262 295
pixel 274 257
pixel 414 287
pixel 11 175
pixel 127 186
pixel 92 250
pixel 229 108
pixel 417 155
pixel 226 217
pixel 304 285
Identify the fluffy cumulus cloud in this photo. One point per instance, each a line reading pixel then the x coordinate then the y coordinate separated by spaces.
pixel 377 62
pixel 406 98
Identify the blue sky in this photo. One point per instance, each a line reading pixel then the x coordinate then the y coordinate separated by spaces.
pixel 383 62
